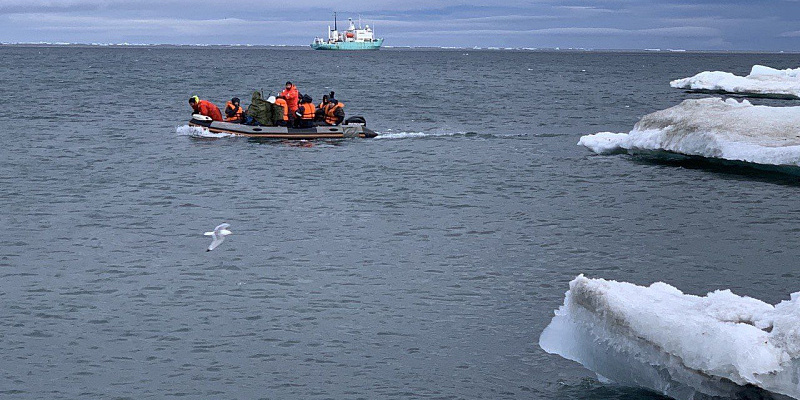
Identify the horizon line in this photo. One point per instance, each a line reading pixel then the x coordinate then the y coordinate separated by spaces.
pixel 308 47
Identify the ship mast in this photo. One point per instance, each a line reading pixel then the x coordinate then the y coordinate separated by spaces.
pixel 334 21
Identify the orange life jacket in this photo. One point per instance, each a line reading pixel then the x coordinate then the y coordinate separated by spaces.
pixel 308 110
pixel 282 103
pixel 330 110
pixel 237 115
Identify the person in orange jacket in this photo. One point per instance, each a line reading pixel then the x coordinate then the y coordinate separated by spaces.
pixel 334 112
pixel 233 111
pixel 281 102
pixel 205 107
pixel 304 116
pixel 292 96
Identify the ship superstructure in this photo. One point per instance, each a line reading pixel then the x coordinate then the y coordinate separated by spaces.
pixel 361 38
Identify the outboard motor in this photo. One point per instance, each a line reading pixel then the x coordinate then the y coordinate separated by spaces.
pixel 356 120
pixel 201 117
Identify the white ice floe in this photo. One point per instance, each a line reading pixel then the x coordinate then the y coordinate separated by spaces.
pixel 218 236
pixel 198 132
pixel 680 345
pixel 762 81
pixel 713 128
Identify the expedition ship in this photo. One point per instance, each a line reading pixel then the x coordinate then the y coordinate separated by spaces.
pixel 351 39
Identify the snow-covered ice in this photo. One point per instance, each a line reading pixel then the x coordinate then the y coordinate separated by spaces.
pixel 712 128
pixel 762 81
pixel 679 345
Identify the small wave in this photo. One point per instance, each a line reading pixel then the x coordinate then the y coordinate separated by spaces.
pixel 197 132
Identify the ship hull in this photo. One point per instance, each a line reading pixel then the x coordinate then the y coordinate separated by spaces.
pixel 348 45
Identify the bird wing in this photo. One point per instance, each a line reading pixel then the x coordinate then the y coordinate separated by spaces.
pixel 218 235
pixel 221 227
pixel 216 242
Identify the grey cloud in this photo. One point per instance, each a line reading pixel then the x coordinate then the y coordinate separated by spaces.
pixel 587 9
pixel 701 24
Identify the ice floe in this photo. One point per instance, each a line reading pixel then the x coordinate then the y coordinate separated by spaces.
pixel 712 128
pixel 680 345
pixel 762 81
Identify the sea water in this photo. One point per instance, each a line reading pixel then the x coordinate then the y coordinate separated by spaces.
pixel 423 264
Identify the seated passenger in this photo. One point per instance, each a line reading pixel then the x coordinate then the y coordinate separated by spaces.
pixel 280 101
pixel 233 111
pixel 334 112
pixel 262 112
pixel 205 107
pixel 276 112
pixel 320 111
pixel 324 101
pixel 304 116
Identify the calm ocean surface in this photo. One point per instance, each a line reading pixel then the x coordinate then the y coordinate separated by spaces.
pixel 422 264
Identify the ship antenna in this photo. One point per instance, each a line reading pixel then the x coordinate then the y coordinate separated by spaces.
pixel 334 21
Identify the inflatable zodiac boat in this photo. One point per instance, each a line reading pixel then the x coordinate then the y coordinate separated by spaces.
pixel 351 128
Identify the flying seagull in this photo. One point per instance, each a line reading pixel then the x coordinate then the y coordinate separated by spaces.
pixel 218 235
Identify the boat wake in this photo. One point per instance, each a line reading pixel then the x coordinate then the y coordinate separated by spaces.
pixel 197 132
pixel 712 128
pixel 401 135
pixel 679 345
pixel 439 133
pixel 411 135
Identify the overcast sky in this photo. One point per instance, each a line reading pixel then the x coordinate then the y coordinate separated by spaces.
pixel 603 24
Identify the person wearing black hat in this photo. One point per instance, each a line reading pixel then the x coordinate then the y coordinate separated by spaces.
pixel 233 111
pixel 320 112
pixel 304 116
pixel 333 113
pixel 324 101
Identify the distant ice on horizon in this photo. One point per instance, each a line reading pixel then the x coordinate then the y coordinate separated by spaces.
pixel 680 345
pixel 762 81
pixel 712 128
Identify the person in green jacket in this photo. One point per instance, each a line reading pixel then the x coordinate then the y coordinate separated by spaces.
pixel 264 112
